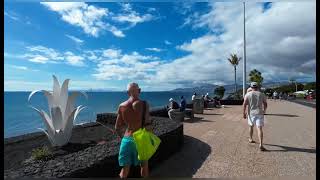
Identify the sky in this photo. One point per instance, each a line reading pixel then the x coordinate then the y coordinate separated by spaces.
pixel 160 45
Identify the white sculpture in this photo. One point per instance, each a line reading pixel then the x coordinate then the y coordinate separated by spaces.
pixel 62 112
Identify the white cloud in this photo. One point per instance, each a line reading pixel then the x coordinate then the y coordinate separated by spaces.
pixel 88 17
pixel 11 16
pixel 111 53
pixel 19 67
pixel 131 16
pixel 49 52
pixel 154 49
pixel 20 85
pixel 24 68
pixel 91 55
pixel 43 55
pixel 167 42
pixel 9 55
pixel 277 45
pixel 151 9
pixel 75 39
pixel 36 58
pixel 93 19
pixel 125 66
pixel 74 59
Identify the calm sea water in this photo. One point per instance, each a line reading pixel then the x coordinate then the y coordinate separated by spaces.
pixel 19 118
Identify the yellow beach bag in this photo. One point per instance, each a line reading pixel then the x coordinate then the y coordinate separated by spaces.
pixel 146 142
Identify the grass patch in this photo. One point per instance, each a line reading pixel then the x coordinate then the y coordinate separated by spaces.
pixel 41 153
pixel 300 95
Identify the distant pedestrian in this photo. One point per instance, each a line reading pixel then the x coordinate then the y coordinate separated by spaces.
pixel 257 106
pixel 194 96
pixel 172 108
pixel 216 101
pixel 280 96
pixel 275 95
pixel 183 104
pixel 207 98
pixel 285 95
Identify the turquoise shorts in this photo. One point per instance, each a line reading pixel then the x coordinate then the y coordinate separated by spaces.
pixel 128 154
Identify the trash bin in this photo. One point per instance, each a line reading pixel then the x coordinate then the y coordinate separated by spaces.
pixel 176 115
pixel 198 106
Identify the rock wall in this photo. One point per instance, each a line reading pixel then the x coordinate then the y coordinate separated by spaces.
pixel 98 160
pixel 17 149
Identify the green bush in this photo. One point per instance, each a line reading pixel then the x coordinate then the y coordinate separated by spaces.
pixel 300 95
pixel 42 153
pixel 219 91
pixel 311 85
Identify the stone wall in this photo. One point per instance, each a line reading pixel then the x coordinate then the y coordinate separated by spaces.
pixel 231 102
pixel 17 149
pixel 93 161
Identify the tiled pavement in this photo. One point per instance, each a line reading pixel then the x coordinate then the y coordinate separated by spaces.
pixel 216 145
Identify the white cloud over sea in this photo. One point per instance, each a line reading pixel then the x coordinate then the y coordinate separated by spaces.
pixel 95 20
pixel 280 43
pixel 109 45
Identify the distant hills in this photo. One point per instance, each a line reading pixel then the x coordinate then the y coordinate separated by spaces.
pixel 209 88
pixel 206 88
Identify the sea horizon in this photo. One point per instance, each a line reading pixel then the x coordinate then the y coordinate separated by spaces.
pixel 20 119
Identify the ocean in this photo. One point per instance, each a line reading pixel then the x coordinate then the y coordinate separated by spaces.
pixel 20 119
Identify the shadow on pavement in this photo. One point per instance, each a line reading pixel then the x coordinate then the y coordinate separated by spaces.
pixel 196 120
pixel 285 115
pixel 186 162
pixel 213 114
pixel 305 103
pixel 291 149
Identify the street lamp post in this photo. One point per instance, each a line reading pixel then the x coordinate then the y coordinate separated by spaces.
pixel 244 50
pixel 295 82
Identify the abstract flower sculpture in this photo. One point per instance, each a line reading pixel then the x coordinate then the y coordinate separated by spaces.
pixel 62 113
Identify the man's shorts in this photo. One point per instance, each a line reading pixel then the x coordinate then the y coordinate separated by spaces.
pixel 257 120
pixel 128 154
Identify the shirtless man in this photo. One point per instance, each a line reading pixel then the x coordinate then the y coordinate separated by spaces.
pixel 130 117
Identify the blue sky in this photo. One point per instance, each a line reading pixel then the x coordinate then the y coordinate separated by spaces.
pixel 161 46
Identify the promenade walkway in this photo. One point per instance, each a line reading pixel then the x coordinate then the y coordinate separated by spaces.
pixel 216 145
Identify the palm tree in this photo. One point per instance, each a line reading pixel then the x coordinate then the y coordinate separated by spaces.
pixel 255 76
pixel 234 61
pixel 293 80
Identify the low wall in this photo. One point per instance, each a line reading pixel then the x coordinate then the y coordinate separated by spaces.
pixel 231 102
pixel 17 149
pixel 93 161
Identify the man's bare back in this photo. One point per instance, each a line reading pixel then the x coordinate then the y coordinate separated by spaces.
pixel 130 115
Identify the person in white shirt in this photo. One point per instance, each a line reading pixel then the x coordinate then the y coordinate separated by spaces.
pixel 257 106
pixel 194 96
pixel 275 95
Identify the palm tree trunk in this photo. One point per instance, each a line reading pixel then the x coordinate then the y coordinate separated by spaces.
pixel 235 79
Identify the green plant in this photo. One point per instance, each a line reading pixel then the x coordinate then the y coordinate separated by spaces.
pixel 300 95
pixel 219 91
pixel 41 153
pixel 309 86
pixel 234 61
pixel 255 76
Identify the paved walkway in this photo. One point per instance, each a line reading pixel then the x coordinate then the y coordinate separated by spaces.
pixel 216 145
